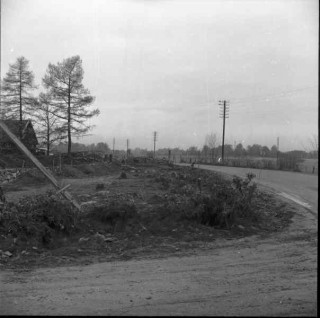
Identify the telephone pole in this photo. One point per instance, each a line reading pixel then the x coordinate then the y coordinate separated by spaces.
pixel 278 152
pixel 224 109
pixel 127 148
pixel 114 141
pixel 154 144
pixel 1 111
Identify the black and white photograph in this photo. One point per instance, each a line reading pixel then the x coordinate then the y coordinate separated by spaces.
pixel 159 157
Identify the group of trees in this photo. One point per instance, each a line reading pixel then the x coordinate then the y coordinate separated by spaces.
pixel 60 111
pixel 99 147
pixel 255 150
pixel 210 148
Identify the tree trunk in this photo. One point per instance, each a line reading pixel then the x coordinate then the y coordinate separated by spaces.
pixel 69 120
pixel 20 106
pixel 48 137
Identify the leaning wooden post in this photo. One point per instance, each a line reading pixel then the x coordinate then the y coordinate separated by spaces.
pixel 38 164
pixel 60 162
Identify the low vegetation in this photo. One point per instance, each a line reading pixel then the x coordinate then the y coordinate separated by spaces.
pixel 156 206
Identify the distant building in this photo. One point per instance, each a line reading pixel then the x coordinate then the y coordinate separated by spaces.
pixel 28 135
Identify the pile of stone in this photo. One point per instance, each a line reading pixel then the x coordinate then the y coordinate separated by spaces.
pixel 8 175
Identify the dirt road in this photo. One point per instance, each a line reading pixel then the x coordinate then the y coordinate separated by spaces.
pixel 298 187
pixel 275 275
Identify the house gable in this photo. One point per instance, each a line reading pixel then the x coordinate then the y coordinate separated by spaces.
pixel 29 138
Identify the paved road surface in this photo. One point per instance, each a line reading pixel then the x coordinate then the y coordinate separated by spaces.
pixel 298 187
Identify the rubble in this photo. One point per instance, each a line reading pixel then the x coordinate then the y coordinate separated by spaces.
pixel 9 175
pixel 7 254
pixel 84 239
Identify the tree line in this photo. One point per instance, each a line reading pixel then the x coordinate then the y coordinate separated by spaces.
pixel 79 147
pixel 60 111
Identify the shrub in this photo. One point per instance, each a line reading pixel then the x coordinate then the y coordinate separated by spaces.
pixel 164 180
pixel 221 207
pixel 69 171
pixel 87 169
pixel 100 186
pixel 123 175
pixel 112 212
pixel 38 216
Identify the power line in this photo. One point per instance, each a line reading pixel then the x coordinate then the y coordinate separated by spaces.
pixel 280 94
pixel 254 98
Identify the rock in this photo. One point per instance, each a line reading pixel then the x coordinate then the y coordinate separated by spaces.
pixel 100 236
pixel 103 193
pixel 84 239
pixel 7 254
pixel 88 203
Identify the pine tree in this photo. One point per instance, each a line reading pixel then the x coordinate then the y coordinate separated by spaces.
pixel 70 99
pixel 17 101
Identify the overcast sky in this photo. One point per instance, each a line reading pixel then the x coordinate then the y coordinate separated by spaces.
pixel 161 65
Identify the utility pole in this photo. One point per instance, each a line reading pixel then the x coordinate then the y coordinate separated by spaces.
pixel 127 148
pixel 114 141
pixel 1 111
pixel 224 109
pixel 278 152
pixel 154 144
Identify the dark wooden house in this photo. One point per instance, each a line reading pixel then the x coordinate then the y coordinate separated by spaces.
pixel 23 130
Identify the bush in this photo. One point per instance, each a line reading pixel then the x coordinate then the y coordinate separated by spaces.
pixel 164 180
pixel 69 171
pixel 222 207
pixel 85 168
pixel 112 212
pixel 100 186
pixel 38 216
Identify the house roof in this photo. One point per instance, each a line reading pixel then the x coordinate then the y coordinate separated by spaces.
pixel 14 126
